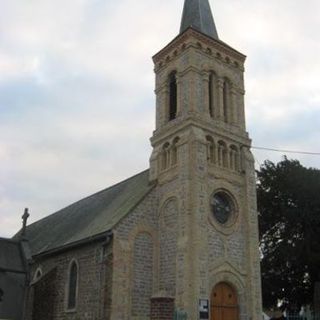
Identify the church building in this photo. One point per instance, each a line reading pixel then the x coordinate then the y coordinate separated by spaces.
pixel 181 238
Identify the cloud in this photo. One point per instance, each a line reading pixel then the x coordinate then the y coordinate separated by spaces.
pixel 76 90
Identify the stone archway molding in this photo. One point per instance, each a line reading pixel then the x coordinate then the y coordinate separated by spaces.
pixel 228 276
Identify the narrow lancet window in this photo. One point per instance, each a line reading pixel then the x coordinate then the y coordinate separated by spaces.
pixel 174 152
pixel 222 154
pixel 37 274
pixel 234 158
pixel 211 93
pixel 226 98
pixel 211 150
pixel 165 159
pixel 72 288
pixel 173 95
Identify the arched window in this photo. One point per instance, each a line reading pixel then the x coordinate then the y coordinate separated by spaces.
pixel 165 157
pixel 212 83
pixel 234 158
pixel 226 100
pixel 211 150
pixel 174 152
pixel 72 286
pixel 173 96
pixel 222 154
pixel 37 274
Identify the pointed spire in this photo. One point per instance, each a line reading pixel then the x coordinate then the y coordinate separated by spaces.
pixel 197 14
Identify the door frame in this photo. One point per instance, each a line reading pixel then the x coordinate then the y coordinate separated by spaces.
pixel 235 306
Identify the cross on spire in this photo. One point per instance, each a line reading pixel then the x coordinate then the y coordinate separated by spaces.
pixel 197 14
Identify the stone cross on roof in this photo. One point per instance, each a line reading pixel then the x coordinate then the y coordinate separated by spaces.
pixel 197 14
pixel 25 217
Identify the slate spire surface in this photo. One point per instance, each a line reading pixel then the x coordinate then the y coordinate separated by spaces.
pixel 197 14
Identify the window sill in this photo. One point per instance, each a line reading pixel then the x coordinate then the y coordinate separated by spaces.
pixel 74 310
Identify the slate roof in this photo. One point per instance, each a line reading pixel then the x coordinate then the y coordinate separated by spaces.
pixel 89 217
pixel 197 14
pixel 11 256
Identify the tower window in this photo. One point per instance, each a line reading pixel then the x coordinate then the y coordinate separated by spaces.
pixel 211 150
pixel 165 158
pixel 222 154
pixel 211 93
pixel 222 207
pixel 226 99
pixel 72 285
pixel 173 95
pixel 174 152
pixel 210 96
pixel 234 158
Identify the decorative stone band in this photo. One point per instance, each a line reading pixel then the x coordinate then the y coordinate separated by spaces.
pixel 181 40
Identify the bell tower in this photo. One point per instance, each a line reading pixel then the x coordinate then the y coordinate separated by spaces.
pixel 204 170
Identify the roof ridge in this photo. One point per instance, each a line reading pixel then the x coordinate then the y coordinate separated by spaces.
pixel 89 216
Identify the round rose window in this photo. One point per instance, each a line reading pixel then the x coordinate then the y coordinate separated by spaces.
pixel 222 207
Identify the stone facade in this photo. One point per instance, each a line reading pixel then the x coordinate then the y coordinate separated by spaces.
pixel 168 247
pixel 173 249
pixel 48 294
pixel 142 276
pixel 213 155
pixel 45 296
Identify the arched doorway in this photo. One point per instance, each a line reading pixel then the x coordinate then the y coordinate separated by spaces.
pixel 224 303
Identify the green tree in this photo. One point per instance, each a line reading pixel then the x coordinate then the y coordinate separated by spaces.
pixel 289 221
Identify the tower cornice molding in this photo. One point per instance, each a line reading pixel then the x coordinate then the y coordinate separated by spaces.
pixel 181 42
pixel 177 128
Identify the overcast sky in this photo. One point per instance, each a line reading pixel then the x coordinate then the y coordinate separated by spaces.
pixel 76 90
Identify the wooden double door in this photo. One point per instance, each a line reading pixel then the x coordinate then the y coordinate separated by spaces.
pixel 224 303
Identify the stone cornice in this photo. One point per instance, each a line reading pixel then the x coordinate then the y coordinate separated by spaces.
pixel 210 42
pixel 177 127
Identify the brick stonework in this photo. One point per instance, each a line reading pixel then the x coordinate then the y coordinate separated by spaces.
pixel 208 252
pixel 162 308
pixel 168 246
pixel 107 286
pixel 44 296
pixel 92 269
pixel 142 276
pixel 170 242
